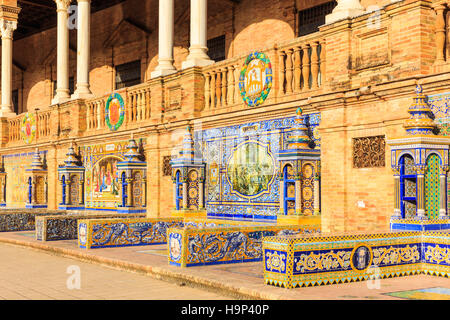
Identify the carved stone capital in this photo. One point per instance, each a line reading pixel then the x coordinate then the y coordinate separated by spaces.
pixel 7 28
pixel 62 4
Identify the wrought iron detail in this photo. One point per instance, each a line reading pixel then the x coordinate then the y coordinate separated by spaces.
pixel 369 152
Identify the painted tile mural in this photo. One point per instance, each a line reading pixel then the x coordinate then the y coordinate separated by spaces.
pixel 242 174
pixel 102 190
pixel 15 166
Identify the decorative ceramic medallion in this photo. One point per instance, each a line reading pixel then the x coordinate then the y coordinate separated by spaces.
pixel 175 246
pixel 82 233
pixel 28 128
pixel 255 80
pixel 250 170
pixel 114 111
pixel 361 258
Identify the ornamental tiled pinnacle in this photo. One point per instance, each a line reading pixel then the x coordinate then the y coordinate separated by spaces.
pixel 71 159
pixel 420 121
pixel 132 153
pixel 299 138
pixel 37 164
pixel 187 151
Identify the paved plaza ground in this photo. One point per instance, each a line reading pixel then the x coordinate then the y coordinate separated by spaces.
pixel 38 270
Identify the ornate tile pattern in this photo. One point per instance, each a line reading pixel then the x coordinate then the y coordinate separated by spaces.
pixel 319 260
pixel 65 227
pixel 432 191
pixel 219 146
pixel 221 244
pixel 104 233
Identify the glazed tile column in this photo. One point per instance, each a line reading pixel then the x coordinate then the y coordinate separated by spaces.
pixel 397 196
pixel 185 199
pixel 129 192
pixel 83 90
pixel 282 196
pixel 198 56
pixel 200 195
pixel 165 42
pixel 80 191
pixel 443 193
pixel 62 85
pixel 175 189
pixel 420 192
pixel 316 194
pixel 298 196
pixel 7 28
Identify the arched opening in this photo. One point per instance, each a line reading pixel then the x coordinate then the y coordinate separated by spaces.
pixel 63 185
pixel 408 187
pixel 124 190
pixel 179 191
pixel 289 189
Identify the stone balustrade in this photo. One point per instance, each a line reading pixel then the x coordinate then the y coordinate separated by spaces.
pixel 301 65
pixel 41 121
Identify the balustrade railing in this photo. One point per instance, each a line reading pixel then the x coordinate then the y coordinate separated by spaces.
pixel 301 65
pixel 42 123
pixel 14 128
pixel 222 83
pixel 137 107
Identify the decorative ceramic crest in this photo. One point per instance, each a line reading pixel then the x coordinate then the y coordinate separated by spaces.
pixel 28 127
pixel 114 111
pixel 255 80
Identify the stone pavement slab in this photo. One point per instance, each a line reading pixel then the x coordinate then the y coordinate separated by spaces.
pixel 30 275
pixel 243 280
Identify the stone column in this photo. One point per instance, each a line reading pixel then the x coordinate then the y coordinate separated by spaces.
pixel 62 86
pixel 344 10
pixel 443 194
pixel 83 90
pixel 7 28
pixel 165 43
pixel 198 56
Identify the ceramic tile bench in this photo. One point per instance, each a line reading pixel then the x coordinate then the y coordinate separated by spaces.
pixel 318 260
pixel 65 227
pixel 224 244
pixel 22 219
